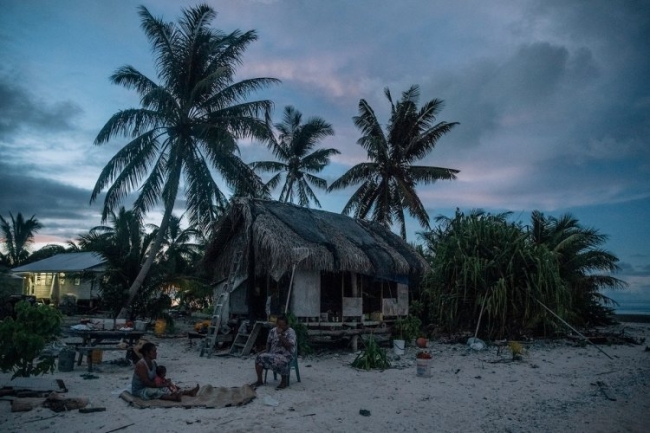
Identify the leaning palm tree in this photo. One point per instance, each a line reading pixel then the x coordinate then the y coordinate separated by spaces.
pixel 297 158
pixel 17 235
pixel 389 179
pixel 187 125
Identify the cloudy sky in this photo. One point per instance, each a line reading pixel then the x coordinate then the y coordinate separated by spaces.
pixel 552 98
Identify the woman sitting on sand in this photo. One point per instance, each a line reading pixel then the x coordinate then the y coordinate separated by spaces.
pixel 280 349
pixel 143 383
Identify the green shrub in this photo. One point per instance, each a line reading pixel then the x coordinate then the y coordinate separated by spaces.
pixel 407 328
pixel 373 357
pixel 302 335
pixel 23 339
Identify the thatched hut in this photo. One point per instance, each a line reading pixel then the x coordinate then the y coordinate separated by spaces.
pixel 343 269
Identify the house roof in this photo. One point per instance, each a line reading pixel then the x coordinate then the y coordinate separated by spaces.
pixel 67 262
pixel 284 234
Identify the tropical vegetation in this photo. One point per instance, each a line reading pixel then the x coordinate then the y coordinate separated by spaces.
pixel 17 235
pixel 297 158
pixel 23 338
pixel 390 177
pixel 372 357
pixel 495 276
pixel 187 125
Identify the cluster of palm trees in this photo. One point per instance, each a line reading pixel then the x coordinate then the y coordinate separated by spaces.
pixel 190 119
pixel 123 243
pixel 182 139
pixel 496 276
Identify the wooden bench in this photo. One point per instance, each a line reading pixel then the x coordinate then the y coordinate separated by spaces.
pixel 88 350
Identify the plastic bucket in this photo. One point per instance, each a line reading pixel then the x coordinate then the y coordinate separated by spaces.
pixel 161 325
pixel 398 347
pixel 96 356
pixel 423 367
pixel 66 360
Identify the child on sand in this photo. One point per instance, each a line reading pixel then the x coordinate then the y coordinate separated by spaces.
pixel 161 379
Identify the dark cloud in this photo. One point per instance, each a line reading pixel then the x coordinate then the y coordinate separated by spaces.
pixel 535 78
pixel 44 197
pixel 20 109
pixel 531 75
pixel 618 36
pixel 628 269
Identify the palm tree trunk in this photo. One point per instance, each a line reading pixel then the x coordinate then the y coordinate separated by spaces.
pixel 137 283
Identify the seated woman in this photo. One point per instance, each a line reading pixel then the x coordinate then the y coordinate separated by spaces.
pixel 280 349
pixel 143 383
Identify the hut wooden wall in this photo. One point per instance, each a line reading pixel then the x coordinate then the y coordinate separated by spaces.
pixel 305 296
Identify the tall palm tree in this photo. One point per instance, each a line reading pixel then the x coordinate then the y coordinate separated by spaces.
pixel 297 158
pixel 17 235
pixel 389 179
pixel 187 125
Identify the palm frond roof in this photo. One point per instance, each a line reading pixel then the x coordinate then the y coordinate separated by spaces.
pixel 282 233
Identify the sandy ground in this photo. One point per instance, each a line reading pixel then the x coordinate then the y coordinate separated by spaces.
pixel 554 388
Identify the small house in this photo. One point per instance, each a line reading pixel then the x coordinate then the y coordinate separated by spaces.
pixel 325 267
pixel 69 274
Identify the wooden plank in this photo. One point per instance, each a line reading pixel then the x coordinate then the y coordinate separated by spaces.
pixel 346 332
pixel 352 307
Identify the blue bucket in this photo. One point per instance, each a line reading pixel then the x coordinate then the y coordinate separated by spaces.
pixel 66 360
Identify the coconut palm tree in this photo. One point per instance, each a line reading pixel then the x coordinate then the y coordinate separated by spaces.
pixel 297 158
pixel 17 235
pixel 389 179
pixel 124 245
pixel 583 265
pixel 179 251
pixel 186 126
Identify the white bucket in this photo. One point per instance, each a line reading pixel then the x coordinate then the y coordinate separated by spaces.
pixel 398 347
pixel 423 367
pixel 140 325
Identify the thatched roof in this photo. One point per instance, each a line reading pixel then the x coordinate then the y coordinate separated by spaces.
pixel 331 242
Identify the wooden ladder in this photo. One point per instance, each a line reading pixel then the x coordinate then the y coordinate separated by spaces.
pixel 244 341
pixel 221 298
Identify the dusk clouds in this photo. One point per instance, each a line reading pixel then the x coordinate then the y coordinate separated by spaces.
pixel 552 98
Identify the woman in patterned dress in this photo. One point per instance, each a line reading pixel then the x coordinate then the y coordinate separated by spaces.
pixel 280 349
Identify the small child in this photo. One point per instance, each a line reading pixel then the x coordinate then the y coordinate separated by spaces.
pixel 161 379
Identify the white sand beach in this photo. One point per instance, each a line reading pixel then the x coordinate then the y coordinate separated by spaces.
pixel 558 386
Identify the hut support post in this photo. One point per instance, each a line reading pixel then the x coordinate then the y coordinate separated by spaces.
pixel 250 287
pixel 355 293
pixel 293 271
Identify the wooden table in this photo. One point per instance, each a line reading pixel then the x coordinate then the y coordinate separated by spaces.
pixel 103 340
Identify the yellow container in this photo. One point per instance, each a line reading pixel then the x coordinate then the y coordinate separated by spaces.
pixel 160 326
pixel 96 356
